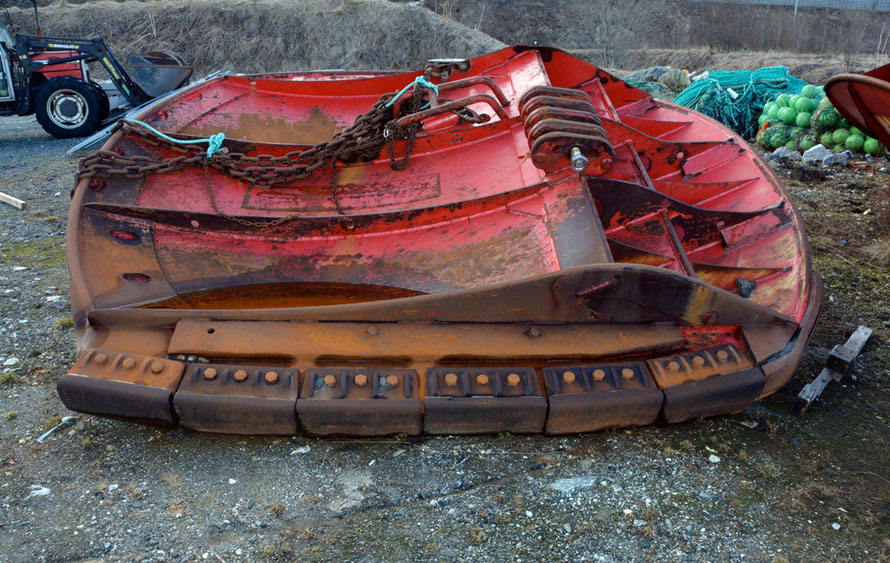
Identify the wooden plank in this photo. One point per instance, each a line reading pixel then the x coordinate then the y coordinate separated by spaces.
pixel 811 391
pixel 836 366
pixel 13 201
pixel 858 339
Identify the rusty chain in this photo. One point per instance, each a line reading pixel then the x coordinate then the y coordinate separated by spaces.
pixel 363 140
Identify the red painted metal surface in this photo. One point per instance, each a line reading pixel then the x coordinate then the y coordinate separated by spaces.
pixel 864 99
pixel 52 70
pixel 669 279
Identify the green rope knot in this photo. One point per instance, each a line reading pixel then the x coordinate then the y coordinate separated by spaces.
pixel 214 142
pixel 420 80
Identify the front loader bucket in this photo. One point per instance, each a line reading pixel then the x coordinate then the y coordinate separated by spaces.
pixel 530 246
pixel 158 73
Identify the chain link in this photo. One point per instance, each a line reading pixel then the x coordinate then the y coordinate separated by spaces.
pixel 363 140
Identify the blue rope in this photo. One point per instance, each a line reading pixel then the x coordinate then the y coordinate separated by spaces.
pixel 419 80
pixel 214 142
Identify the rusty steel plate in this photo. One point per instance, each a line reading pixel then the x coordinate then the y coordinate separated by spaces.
pixel 531 246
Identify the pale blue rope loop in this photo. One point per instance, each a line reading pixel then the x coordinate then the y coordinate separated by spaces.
pixel 420 80
pixel 214 142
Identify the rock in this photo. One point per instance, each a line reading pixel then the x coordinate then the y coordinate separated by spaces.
pixel 38 491
pixel 570 484
pixel 836 526
pixel 528 513
pixel 869 158
pixel 639 523
pixel 784 153
pixel 746 288
pixel 112 488
pixel 233 481
pixel 842 158
pixel 11 362
pixel 567 528
pixel 794 442
pixel 645 544
pixel 713 458
pixel 808 174
pixel 815 154
pixel 705 497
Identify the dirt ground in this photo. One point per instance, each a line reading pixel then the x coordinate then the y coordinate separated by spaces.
pixel 765 485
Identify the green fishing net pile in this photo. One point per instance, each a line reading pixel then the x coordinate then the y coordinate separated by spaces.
pixel 712 97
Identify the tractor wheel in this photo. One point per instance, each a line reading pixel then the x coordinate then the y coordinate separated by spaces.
pixel 69 107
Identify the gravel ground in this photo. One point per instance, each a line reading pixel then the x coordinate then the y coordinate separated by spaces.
pixel 764 485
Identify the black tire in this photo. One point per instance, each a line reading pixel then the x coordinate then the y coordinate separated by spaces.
pixel 69 107
pixel 105 106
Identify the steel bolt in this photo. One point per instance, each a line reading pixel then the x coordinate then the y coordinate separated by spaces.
pixel 627 373
pixel 710 317
pixel 579 161
pixel 128 363
pixel 451 379
pixel 482 379
pixel 534 332
pixel 361 380
pixel 599 374
pixel 157 367
pixel 722 355
pixel 513 379
pixel 100 358
pixel 674 365
pixel 392 380
pixel 698 361
pixel 271 377
pixel 240 375
pixel 568 376
pixel 372 331
pixel 209 373
pixel 329 380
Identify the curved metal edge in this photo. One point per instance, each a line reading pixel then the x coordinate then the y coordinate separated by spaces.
pixel 781 367
pixel 860 114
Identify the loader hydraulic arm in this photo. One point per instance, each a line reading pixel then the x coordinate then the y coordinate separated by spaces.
pixel 90 50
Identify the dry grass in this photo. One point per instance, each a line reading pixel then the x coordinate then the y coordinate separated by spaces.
pixel 607 28
pixel 879 251
pixel 280 35
pixel 267 35
pixel 815 68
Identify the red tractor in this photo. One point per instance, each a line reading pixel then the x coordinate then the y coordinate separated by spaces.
pixel 49 77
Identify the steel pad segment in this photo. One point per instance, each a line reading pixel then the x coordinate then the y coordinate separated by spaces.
pixel 586 398
pixel 478 400
pixel 238 399
pixel 359 402
pixel 676 369
pixel 726 393
pixel 132 386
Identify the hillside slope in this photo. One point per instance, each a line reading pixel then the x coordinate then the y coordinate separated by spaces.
pixel 267 35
